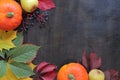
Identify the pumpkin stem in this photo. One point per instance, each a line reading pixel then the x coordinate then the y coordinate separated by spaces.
pixel 10 14
pixel 71 77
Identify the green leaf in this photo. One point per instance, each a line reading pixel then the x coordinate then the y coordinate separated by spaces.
pixel 19 40
pixel 3 68
pixel 24 53
pixel 1 54
pixel 4 53
pixel 21 70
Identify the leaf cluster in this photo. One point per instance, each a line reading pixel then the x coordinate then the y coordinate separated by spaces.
pixel 16 59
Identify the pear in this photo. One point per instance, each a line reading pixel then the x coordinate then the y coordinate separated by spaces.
pixel 29 5
pixel 96 74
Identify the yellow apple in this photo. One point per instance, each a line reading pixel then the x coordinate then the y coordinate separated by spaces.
pixel 96 74
pixel 29 5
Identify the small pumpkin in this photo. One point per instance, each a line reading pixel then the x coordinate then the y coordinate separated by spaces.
pixel 72 71
pixel 10 14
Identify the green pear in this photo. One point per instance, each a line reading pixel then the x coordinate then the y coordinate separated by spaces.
pixel 29 5
pixel 96 74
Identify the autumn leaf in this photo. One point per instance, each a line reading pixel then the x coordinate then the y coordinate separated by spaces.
pixel 6 38
pixel 91 61
pixel 95 62
pixel 46 71
pixel 26 79
pixel 32 65
pixel 46 4
pixel 85 60
pixel 111 74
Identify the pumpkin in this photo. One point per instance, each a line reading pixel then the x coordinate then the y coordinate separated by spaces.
pixel 72 71
pixel 10 14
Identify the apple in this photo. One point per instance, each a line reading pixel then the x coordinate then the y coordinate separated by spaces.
pixel 96 74
pixel 29 5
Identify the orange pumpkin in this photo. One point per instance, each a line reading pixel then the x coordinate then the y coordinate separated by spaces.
pixel 10 14
pixel 72 71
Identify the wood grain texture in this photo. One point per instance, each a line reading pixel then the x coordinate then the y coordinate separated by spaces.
pixel 78 25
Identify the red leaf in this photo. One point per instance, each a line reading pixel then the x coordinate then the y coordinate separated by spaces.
pixel 111 75
pixel 85 60
pixel 107 75
pixel 95 62
pixel 48 68
pixel 46 71
pixel 39 79
pixel 41 66
pixel 91 61
pixel 49 76
pixel 46 4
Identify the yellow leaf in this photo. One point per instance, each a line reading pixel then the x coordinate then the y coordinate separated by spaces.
pixel 6 39
pixel 26 79
pixel 32 65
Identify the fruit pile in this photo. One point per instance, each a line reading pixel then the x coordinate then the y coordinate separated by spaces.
pixel 23 14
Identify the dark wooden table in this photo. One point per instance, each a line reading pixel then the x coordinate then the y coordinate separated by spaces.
pixel 78 25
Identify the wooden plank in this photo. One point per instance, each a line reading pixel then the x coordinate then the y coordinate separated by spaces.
pixel 78 25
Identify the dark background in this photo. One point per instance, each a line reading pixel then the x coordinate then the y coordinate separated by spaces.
pixel 78 25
